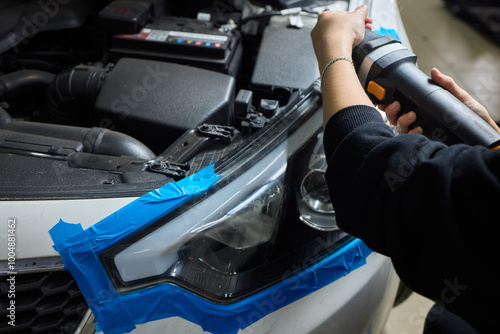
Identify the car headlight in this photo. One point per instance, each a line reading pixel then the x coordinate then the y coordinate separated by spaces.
pixel 247 231
pixel 313 199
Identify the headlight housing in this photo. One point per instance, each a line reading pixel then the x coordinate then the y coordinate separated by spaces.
pixel 246 233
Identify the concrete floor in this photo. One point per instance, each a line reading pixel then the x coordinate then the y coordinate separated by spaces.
pixel 442 40
pixel 409 317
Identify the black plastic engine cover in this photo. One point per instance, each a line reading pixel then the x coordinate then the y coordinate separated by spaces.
pixel 286 60
pixel 156 102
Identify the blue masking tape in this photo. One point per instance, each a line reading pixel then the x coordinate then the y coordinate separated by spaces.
pixel 98 291
pixel 80 248
pixel 387 32
pixel 167 300
pixel 120 313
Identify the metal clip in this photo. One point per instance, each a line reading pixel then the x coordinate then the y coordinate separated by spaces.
pixel 221 132
pixel 173 161
pixel 176 171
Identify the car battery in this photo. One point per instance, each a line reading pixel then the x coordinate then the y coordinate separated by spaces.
pixel 184 41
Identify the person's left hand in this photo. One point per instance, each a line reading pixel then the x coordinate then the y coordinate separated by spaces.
pixel 402 123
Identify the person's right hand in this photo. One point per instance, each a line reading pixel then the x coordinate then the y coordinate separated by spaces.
pixel 337 32
pixel 403 123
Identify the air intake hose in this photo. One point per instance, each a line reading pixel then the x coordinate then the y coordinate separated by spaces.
pixel 20 83
pixel 94 140
pixel 73 93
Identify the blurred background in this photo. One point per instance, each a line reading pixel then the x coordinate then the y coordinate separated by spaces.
pixel 472 57
pixel 456 47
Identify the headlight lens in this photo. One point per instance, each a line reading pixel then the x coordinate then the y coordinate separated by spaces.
pixel 315 192
pixel 313 199
pixel 245 234
pixel 253 221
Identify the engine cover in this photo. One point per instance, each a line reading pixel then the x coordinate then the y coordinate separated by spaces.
pixel 286 60
pixel 156 102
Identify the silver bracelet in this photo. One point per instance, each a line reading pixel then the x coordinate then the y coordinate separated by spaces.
pixel 333 61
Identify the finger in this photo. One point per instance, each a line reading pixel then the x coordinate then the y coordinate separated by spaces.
pixel 362 10
pixel 392 111
pixel 450 85
pixel 417 131
pixel 404 122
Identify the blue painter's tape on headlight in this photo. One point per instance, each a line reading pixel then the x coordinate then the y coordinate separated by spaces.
pixel 224 261
pixel 387 32
pixel 167 300
pixel 80 248
pixel 119 313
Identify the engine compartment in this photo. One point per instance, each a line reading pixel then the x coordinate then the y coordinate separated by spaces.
pixel 103 99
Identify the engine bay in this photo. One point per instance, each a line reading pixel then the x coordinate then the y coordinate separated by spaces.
pixel 100 99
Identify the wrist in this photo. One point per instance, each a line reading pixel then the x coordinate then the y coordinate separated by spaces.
pixel 331 62
pixel 334 52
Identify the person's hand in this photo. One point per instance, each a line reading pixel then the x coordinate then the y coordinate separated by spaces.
pixel 450 85
pixel 404 122
pixel 337 32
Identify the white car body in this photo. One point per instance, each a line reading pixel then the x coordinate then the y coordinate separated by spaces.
pixel 359 302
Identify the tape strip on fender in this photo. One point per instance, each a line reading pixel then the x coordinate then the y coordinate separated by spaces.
pixel 80 248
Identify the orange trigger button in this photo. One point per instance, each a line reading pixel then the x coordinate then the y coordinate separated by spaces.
pixel 376 90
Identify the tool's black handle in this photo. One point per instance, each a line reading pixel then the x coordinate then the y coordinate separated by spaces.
pixel 441 115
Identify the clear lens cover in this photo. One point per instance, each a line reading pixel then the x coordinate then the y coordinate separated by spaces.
pixel 313 198
pixel 252 222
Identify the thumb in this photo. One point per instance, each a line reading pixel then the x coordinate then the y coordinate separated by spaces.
pixel 449 84
pixel 362 10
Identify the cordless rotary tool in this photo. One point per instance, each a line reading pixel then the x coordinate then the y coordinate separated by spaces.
pixel 388 72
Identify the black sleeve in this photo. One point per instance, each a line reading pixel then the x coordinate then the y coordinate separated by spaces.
pixel 433 208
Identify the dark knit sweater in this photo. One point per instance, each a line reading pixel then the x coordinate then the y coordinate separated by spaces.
pixel 434 209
